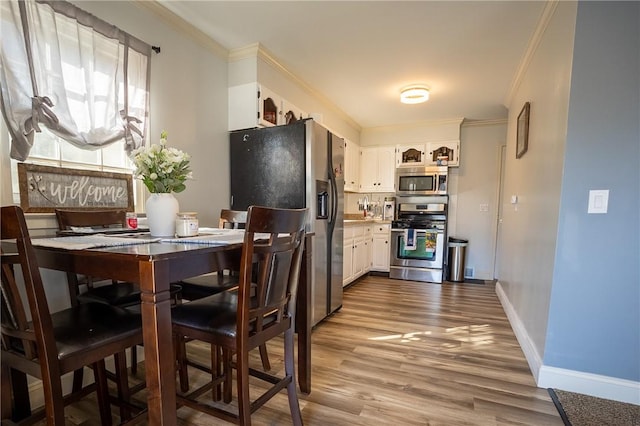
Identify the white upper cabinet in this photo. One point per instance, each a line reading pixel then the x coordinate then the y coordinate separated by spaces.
pixel 254 105
pixel 448 149
pixel 377 169
pixel 351 166
pixel 411 155
pixel 269 107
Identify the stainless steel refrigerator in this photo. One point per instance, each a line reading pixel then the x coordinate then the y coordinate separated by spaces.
pixel 294 166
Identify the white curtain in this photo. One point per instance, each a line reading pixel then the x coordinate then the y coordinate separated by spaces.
pixel 63 68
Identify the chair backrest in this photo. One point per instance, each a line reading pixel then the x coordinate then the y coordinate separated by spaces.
pixel 234 219
pixel 94 218
pixel 19 336
pixel 278 258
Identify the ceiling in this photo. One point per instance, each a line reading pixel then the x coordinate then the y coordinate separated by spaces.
pixel 359 54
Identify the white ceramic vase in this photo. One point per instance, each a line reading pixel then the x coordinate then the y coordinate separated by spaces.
pixel 161 212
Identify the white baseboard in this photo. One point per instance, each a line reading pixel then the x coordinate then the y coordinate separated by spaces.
pixel 590 384
pixel 569 380
pixel 530 353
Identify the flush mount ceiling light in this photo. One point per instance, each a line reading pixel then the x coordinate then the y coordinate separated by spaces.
pixel 414 95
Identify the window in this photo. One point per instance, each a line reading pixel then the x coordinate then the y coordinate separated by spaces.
pixel 76 92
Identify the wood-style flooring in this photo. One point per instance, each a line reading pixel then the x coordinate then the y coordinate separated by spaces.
pixel 402 353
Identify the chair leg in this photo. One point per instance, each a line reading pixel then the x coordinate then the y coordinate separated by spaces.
pixel 78 376
pixel 216 372
pixel 100 375
pixel 244 404
pixel 122 383
pixel 227 388
pixel 264 356
pixel 181 358
pixel 290 370
pixel 134 360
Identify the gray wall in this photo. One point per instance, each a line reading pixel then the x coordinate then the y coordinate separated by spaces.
pixel 594 317
pixel 188 100
pixel 527 235
pixel 477 184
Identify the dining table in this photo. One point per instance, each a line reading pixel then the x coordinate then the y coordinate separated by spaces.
pixel 153 265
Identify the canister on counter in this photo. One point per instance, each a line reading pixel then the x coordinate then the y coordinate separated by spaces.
pixel 132 220
pixel 187 224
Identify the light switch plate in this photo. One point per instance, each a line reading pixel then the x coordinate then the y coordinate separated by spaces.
pixel 598 201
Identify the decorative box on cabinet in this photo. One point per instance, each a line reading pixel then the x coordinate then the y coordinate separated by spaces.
pixel 444 148
pixel 410 155
pixel 377 169
pixel 381 254
pixel 290 113
pixel 352 166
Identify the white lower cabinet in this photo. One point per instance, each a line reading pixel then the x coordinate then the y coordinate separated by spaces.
pixel 381 240
pixel 357 251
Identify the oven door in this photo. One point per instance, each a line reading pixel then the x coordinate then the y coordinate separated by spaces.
pixel 428 252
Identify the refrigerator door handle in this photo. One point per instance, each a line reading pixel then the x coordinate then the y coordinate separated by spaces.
pixel 334 200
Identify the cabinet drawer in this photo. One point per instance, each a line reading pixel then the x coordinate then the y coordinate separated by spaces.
pixel 382 228
pixel 350 231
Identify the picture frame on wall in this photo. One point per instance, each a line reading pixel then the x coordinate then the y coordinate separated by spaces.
pixel 522 139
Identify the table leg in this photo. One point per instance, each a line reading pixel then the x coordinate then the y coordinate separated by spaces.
pixel 158 343
pixel 303 319
pixel 15 403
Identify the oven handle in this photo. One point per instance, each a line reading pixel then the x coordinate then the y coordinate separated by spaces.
pixel 418 231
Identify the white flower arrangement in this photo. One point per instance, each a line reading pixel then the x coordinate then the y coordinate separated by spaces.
pixel 162 169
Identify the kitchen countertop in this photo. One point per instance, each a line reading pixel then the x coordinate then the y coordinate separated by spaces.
pixel 349 219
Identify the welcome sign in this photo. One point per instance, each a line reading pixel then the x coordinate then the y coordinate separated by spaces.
pixel 44 189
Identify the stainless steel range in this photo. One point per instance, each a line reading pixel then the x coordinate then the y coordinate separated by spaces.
pixel 417 239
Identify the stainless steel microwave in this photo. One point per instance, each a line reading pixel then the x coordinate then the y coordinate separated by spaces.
pixel 428 180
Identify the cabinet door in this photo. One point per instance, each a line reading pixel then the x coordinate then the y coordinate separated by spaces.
pixel 380 261
pixel 358 257
pixel 386 169
pixel 269 107
pixel 243 106
pixel 347 262
pixel 352 166
pixel 450 149
pixel 410 155
pixel 368 254
pixel 368 169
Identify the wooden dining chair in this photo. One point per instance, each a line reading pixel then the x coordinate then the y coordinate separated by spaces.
pixel 234 219
pixel 112 292
pixel 223 280
pixel 46 345
pixel 213 283
pixel 239 321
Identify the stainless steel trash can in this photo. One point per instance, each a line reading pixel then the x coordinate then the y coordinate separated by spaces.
pixel 457 256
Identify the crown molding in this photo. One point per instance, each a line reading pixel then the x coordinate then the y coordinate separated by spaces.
pixel 416 124
pixel 184 27
pixel 545 18
pixel 492 122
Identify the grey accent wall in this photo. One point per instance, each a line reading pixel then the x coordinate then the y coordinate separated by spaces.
pixel 527 235
pixel 477 194
pixel 594 315
pixel 188 100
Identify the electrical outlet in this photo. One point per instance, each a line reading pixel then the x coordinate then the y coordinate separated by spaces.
pixel 484 207
pixel 598 201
